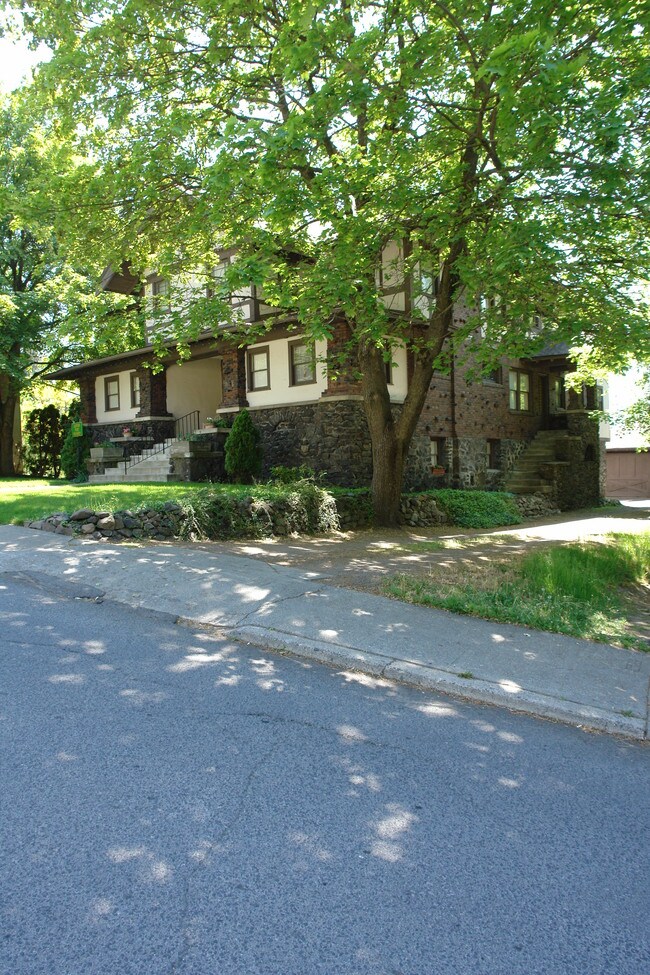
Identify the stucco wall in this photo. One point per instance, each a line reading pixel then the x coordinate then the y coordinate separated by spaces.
pixel 125 412
pixel 195 385
pixel 280 391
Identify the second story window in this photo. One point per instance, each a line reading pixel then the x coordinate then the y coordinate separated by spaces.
pixel 519 390
pixel 302 364
pixel 160 295
pixel 258 369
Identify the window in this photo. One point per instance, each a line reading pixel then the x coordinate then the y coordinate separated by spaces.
pixel 135 390
pixel 111 393
pixel 437 452
pixel 258 369
pixel 492 452
pixel 519 389
pixel 160 294
pixel 302 364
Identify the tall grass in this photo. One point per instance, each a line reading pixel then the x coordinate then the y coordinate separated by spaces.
pixel 577 589
pixel 588 571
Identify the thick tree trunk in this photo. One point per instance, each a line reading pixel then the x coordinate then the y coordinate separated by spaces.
pixel 390 437
pixel 8 405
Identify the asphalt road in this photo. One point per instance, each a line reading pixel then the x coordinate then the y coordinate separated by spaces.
pixel 175 803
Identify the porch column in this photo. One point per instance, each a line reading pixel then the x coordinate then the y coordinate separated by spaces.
pixel 233 374
pixel 153 393
pixel 88 399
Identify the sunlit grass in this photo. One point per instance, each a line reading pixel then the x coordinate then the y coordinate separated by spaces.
pixel 577 589
pixel 23 499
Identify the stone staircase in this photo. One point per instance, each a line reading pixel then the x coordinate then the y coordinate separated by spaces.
pixel 528 474
pixel 153 464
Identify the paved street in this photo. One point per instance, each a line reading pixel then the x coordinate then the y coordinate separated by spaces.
pixel 174 802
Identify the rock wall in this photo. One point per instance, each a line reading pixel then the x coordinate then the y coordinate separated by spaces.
pixel 330 436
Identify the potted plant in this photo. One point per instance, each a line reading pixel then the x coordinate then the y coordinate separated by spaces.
pixel 127 432
pixel 210 423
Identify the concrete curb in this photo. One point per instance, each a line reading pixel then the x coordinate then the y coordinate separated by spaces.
pixel 431 679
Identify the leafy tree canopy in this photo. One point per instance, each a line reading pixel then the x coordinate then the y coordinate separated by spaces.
pixel 49 309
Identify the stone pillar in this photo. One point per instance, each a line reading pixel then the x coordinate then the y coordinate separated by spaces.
pixel 233 373
pixel 88 399
pixel 341 363
pixel 153 393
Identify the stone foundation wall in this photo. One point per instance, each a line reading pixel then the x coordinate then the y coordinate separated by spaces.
pixel 330 436
pixel 473 462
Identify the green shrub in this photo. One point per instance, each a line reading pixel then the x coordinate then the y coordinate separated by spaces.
pixel 43 441
pixel 243 451
pixel 303 508
pixel 477 509
pixel 75 450
pixel 289 475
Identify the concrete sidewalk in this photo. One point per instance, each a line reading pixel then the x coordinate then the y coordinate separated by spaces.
pixel 294 609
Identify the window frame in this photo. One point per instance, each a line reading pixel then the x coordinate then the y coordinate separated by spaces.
pixel 107 396
pixel 295 344
pixel 136 400
pixel 250 372
pixel 160 300
pixel 440 452
pixel 518 391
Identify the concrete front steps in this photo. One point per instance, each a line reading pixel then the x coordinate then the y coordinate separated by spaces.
pixel 151 465
pixel 526 477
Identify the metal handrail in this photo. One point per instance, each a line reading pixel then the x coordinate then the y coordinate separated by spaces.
pixel 183 427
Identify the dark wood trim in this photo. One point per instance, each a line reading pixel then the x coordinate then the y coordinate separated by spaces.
pixel 249 370
pixel 133 376
pixel 291 346
pixel 529 392
pixel 107 380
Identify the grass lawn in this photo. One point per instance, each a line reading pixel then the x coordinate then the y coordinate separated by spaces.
pixel 24 499
pixel 597 590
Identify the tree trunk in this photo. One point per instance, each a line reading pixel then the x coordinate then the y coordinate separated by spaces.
pixel 8 404
pixel 391 437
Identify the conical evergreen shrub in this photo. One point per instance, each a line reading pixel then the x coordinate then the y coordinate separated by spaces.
pixel 243 450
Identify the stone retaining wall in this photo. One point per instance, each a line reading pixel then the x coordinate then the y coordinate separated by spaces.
pixel 166 522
